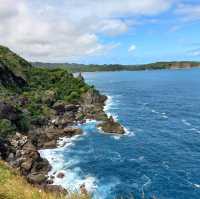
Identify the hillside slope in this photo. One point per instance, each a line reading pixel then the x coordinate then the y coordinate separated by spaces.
pixel 19 66
pixel 13 186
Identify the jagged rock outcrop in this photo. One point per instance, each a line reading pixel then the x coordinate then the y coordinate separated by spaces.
pixel 25 157
pixel 93 97
pixel 111 126
pixel 47 137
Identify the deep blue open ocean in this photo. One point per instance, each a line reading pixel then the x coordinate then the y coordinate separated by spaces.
pixel 160 153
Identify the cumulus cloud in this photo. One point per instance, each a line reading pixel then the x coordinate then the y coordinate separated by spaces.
pixel 67 30
pixel 189 12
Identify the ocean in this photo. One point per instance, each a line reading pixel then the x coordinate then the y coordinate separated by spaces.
pixel 159 156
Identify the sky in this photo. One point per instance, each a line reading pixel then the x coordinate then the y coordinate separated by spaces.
pixel 101 31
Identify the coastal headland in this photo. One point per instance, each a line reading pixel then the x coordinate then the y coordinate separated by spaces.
pixel 38 107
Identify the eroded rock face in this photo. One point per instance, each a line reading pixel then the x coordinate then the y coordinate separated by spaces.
pixel 62 107
pixel 47 137
pixel 4 149
pixel 9 112
pixel 111 126
pixel 25 157
pixel 92 96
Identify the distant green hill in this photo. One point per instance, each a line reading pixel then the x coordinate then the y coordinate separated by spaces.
pixel 117 67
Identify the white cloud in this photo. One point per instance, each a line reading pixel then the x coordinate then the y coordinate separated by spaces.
pixel 195 53
pixel 111 27
pixel 67 30
pixel 132 48
pixel 189 12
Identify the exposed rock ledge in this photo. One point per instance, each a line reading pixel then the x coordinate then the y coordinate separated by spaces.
pixel 111 126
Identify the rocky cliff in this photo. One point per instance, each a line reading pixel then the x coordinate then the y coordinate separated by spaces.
pixel 39 106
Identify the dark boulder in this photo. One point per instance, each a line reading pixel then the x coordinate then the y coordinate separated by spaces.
pixel 59 107
pixel 9 112
pixel 37 178
pixel 4 149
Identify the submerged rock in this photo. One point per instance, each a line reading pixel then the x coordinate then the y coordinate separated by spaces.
pixel 111 126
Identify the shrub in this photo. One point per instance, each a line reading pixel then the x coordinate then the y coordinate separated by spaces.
pixel 72 97
pixel 6 128
pixel 24 123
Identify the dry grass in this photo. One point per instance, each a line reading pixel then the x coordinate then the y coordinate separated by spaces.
pixel 13 186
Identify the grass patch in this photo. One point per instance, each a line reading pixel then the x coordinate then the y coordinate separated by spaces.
pixel 13 186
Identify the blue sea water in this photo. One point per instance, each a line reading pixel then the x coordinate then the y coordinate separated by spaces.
pixel 160 153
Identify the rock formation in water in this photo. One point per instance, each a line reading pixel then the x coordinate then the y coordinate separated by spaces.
pixel 111 126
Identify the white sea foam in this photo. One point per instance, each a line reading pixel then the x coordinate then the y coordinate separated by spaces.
pixel 195 130
pixel 197 185
pixel 139 159
pixel 66 142
pixel 72 179
pixel 186 122
pixel 116 137
pixel 105 189
pixel 90 121
pixel 154 111
pixel 108 106
pixel 128 132
pixel 163 115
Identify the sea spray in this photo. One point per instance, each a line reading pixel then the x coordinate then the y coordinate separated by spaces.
pixel 73 177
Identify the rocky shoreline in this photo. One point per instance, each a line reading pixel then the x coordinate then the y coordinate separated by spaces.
pixel 21 151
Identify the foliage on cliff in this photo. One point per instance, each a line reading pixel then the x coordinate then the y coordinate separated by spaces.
pixel 27 94
pixel 19 66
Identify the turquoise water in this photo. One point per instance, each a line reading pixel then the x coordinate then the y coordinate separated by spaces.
pixel 160 153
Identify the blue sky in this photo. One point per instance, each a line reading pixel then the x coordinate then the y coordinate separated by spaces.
pixel 102 31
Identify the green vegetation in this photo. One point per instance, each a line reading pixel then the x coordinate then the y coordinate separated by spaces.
pixel 13 186
pixel 31 92
pixel 116 67
pixel 16 64
pixel 6 127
